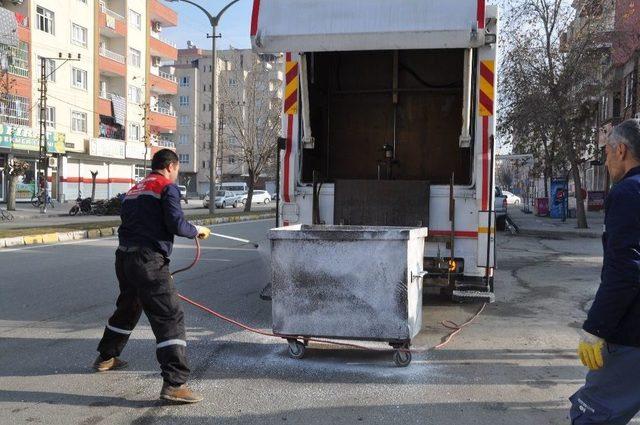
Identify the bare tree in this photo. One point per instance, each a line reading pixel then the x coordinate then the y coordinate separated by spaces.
pixel 550 84
pixel 252 113
pixel 94 176
pixel 17 169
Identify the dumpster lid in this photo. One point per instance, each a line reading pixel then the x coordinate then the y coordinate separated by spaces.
pixel 343 25
pixel 352 233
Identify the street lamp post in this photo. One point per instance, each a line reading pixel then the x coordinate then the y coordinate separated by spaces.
pixel 214 20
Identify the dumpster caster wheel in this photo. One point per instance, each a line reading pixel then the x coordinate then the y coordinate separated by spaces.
pixel 402 358
pixel 296 349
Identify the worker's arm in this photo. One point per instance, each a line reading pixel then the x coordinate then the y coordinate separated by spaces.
pixel 173 215
pixel 621 268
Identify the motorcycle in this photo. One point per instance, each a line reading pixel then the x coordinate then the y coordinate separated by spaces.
pixel 82 206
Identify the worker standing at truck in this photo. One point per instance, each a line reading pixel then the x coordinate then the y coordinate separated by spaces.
pixel 151 215
pixel 610 345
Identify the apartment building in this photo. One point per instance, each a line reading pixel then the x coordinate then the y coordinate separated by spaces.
pixel 110 106
pixel 620 88
pixel 193 70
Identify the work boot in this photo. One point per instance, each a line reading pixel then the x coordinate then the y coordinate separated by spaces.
pixel 114 363
pixel 181 393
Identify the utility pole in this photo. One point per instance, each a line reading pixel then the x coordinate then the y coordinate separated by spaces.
pixel 146 137
pixel 214 21
pixel 43 157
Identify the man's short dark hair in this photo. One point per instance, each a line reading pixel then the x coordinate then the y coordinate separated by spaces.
pixel 163 158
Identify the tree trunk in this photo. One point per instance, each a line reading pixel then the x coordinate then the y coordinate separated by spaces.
pixel 94 176
pixel 546 182
pixel 581 213
pixel 252 184
pixel 11 196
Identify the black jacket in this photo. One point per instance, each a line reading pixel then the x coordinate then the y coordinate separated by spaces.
pixel 615 313
pixel 151 215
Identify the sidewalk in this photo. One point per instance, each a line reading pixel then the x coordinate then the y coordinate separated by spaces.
pixel 28 216
pixel 531 225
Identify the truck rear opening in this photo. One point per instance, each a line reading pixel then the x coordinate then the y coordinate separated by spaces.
pixel 388 117
pixel 367 105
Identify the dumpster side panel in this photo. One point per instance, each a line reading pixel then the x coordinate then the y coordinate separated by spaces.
pixel 341 289
pixel 415 262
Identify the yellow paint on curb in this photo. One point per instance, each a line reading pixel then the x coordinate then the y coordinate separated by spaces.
pixel 32 240
pixel 50 238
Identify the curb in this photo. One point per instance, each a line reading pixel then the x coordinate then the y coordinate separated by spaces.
pixel 54 238
pixel 551 234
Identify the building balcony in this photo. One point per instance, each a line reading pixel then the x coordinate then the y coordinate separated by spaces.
pixel 163 48
pixel 15 110
pixel 165 143
pixel 163 119
pixel 163 83
pixel 163 14
pixel 105 106
pixel 111 63
pixel 111 24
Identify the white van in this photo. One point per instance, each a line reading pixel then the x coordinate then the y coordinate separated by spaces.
pixel 238 188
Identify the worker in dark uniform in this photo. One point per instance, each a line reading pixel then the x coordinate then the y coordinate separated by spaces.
pixel 151 215
pixel 610 345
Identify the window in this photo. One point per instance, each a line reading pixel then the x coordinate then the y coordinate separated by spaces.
pixel 184 119
pixel 51 116
pixel 49 68
pixel 204 87
pixel 78 35
pixel 232 159
pixel 209 68
pixel 184 100
pixel 83 1
pixel 204 107
pixel 233 82
pixel 140 173
pixel 78 121
pixel 183 139
pixel 134 57
pixel 183 158
pixel 45 20
pixel 135 94
pixel 184 82
pixel 135 19
pixel 134 131
pixel 629 81
pixel 604 108
pixel 79 78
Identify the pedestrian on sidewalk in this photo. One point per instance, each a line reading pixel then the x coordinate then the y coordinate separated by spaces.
pixel 610 344
pixel 151 215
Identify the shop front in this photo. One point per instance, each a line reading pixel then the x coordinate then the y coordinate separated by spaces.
pixel 24 145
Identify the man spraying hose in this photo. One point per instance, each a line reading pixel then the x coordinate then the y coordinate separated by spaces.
pixel 151 217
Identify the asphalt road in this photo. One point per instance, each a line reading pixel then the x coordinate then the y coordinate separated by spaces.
pixel 515 364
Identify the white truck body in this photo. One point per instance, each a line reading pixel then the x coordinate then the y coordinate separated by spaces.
pixel 310 33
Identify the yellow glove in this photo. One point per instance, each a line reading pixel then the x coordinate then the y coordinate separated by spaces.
pixel 590 351
pixel 203 232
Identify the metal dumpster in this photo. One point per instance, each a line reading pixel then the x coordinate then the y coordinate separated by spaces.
pixel 347 282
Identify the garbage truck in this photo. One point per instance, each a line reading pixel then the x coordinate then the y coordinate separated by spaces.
pixel 388 120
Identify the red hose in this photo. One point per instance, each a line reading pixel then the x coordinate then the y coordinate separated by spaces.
pixel 241 325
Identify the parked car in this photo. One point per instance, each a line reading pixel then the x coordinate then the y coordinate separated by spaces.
pixel 259 197
pixel 511 198
pixel 183 193
pixel 224 199
pixel 501 209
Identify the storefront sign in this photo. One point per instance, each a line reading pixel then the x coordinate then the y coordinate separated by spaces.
pixel 107 148
pixel 26 138
pixel 136 150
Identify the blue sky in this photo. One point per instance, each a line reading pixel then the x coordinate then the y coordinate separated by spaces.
pixel 193 24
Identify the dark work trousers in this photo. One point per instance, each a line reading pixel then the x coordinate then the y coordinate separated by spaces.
pixel 610 395
pixel 146 285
